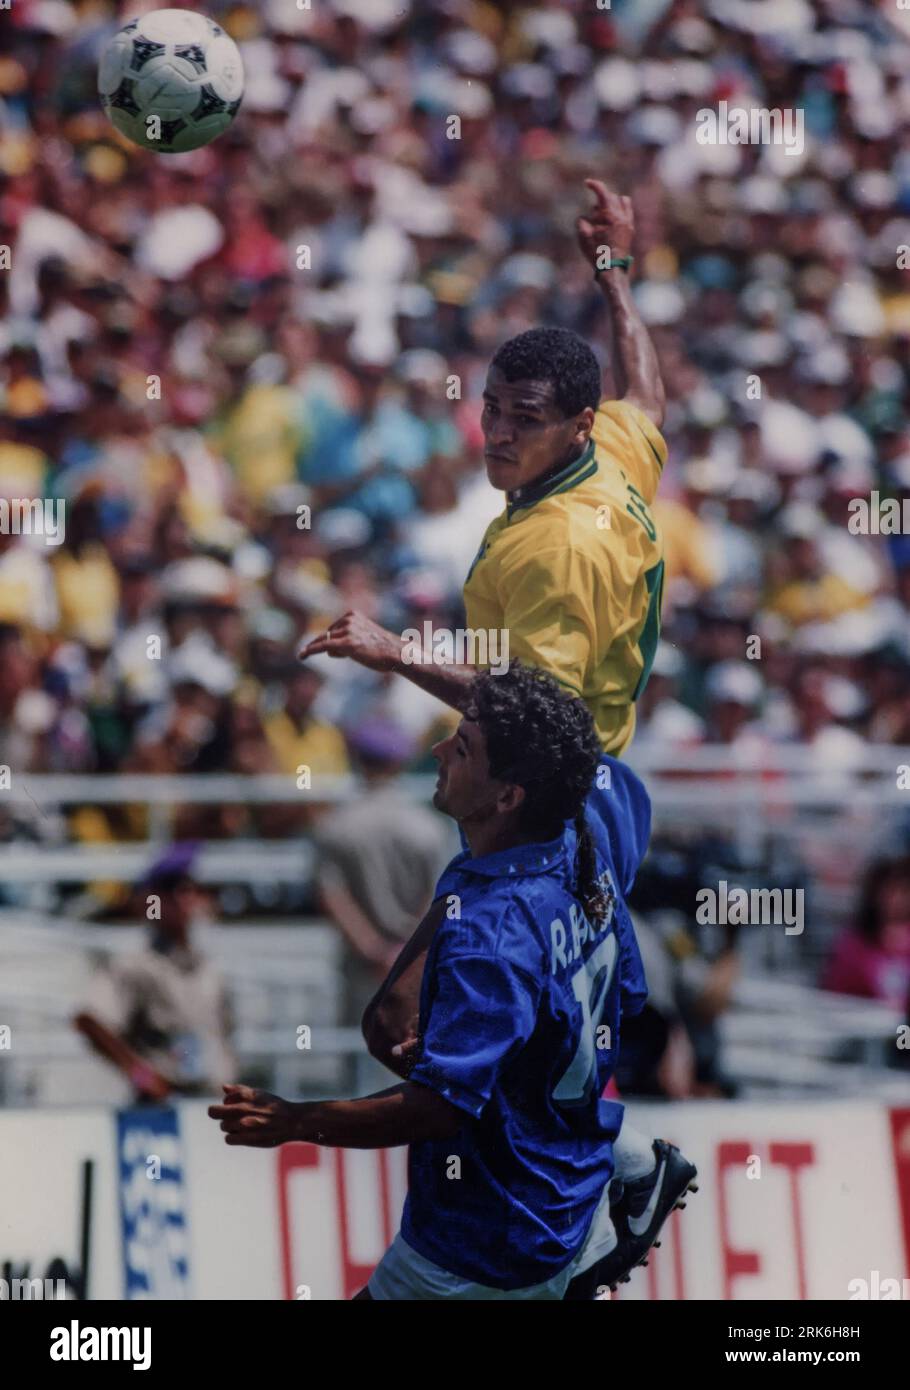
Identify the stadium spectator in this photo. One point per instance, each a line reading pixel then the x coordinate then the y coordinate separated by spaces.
pixel 872 959
pixel 672 1050
pixel 379 858
pixel 296 736
pixel 161 1015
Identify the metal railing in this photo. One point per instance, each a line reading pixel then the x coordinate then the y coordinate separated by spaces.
pixel 834 818
pixel 798 764
pixel 703 786
pixel 779 1039
pixel 831 820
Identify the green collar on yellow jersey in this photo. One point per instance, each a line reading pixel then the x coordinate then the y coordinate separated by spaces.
pixel 570 476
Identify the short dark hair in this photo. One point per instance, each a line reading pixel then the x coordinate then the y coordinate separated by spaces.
pixel 541 738
pixel 557 355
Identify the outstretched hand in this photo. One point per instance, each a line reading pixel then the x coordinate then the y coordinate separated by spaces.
pixel 359 638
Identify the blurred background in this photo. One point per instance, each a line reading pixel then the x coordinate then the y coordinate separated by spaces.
pixel 247 448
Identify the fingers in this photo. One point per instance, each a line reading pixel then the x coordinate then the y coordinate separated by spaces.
pixel 607 204
pixel 403 1049
pixel 233 1114
pixel 238 1124
pixel 247 1125
pixel 334 640
pixel 232 1120
pixel 599 190
pixel 335 643
pixel 315 645
pixel 238 1100
pixel 335 646
pixel 233 1092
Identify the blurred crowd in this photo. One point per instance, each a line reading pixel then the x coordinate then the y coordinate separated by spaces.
pixel 246 447
pixel 253 372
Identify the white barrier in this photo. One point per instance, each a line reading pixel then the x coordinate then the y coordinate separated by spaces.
pixel 796 1202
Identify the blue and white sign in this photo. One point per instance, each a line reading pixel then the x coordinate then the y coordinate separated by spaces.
pixel 153 1205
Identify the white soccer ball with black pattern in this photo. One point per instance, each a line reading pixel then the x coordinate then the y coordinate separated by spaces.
pixel 171 80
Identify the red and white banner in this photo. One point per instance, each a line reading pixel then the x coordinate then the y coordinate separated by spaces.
pixel 796 1201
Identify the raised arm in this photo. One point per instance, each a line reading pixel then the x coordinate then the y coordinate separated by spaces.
pixel 605 235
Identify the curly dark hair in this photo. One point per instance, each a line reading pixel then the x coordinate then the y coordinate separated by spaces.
pixel 543 739
pixel 557 355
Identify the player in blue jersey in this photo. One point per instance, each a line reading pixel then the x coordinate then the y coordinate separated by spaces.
pixel 529 971
pixel 571 575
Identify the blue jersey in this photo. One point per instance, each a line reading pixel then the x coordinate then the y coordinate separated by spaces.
pixel 519 1023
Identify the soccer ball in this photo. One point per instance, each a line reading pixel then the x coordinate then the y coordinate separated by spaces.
pixel 171 80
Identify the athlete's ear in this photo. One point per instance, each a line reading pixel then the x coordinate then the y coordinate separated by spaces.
pixel 584 424
pixel 510 799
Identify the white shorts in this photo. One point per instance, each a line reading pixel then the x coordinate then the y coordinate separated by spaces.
pixel 403 1274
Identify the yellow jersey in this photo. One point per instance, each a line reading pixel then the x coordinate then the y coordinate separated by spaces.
pixel 572 571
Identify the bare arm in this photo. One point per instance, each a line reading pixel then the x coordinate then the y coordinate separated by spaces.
pixel 113 1049
pixel 636 370
pixel 352 635
pixel 450 683
pixel 405 1114
pixel 391 1017
pixel 352 922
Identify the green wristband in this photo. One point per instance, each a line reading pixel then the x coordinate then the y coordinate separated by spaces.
pixel 616 263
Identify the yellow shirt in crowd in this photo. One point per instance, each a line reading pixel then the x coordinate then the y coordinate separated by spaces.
pixel 88 594
pixel 320 747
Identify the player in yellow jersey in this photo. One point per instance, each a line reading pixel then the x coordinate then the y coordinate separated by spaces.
pixel 570 575
pixel 571 572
